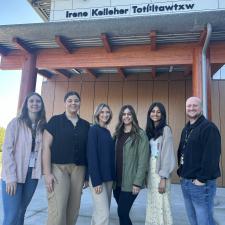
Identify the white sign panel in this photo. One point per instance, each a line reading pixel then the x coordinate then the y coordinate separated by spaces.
pixel 65 10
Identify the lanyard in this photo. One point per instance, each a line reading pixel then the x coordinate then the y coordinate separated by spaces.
pixel 187 136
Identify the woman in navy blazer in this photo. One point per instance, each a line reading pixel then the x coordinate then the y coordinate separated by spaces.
pixel 101 164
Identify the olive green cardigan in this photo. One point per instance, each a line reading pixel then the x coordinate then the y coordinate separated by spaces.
pixel 135 162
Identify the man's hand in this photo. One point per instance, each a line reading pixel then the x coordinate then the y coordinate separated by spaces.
pixel 197 182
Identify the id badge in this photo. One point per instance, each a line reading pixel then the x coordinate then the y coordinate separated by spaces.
pixel 182 159
pixel 32 159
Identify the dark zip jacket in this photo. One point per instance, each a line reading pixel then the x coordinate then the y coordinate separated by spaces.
pixel 200 146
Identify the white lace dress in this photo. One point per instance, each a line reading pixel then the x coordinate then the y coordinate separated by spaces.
pixel 158 210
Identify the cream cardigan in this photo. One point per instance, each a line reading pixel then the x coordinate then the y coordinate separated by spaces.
pixel 166 161
pixel 16 152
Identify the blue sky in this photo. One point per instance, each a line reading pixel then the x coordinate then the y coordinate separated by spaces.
pixel 13 12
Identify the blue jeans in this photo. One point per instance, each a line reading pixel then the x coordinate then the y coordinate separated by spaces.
pixel 15 206
pixel 199 201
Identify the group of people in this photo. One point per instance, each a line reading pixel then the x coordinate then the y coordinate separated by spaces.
pixel 73 155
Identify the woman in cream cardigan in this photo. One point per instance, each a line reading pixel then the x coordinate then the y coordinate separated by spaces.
pixel 162 163
pixel 21 159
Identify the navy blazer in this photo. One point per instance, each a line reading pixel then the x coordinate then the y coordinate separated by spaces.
pixel 100 155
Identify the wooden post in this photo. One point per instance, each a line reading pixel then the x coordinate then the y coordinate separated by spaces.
pixel 209 85
pixel 197 72
pixel 28 78
pixel 197 77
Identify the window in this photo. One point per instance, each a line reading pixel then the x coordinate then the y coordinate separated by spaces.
pixel 220 74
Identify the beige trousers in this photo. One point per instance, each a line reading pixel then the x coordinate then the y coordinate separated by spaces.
pixel 101 204
pixel 64 201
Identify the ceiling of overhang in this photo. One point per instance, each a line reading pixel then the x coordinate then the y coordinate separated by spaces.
pixel 42 7
pixel 124 31
pixel 97 72
pixel 28 35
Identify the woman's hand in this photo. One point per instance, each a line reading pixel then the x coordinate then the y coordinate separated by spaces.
pixel 162 186
pixel 98 189
pixel 49 182
pixel 86 184
pixel 135 190
pixel 11 188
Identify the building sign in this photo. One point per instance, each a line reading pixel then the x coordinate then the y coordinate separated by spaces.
pixel 64 10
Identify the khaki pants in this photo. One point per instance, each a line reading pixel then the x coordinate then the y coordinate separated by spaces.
pixel 101 204
pixel 64 201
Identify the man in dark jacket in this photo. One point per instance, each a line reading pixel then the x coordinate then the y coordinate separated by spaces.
pixel 198 160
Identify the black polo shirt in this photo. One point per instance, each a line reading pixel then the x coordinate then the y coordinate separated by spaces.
pixel 69 143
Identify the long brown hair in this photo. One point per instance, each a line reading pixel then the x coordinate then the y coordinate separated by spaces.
pixel 41 118
pixel 120 125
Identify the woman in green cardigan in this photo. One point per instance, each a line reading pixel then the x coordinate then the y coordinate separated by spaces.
pixel 132 154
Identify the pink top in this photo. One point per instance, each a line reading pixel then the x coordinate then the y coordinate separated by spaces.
pixel 16 152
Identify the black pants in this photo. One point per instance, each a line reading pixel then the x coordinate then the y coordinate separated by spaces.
pixel 124 201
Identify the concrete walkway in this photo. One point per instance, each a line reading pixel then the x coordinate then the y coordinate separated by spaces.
pixel 37 211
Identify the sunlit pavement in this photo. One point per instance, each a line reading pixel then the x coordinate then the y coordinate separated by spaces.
pixel 37 211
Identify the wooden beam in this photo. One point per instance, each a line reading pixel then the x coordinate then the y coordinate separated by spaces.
pixel 153 72
pixel 105 41
pixel 45 73
pixel 127 56
pixel 3 51
pixel 63 72
pixel 61 43
pixel 121 72
pixel 19 43
pixel 153 40
pixel 88 71
pixel 202 37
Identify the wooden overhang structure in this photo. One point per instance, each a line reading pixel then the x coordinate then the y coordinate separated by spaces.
pixel 122 46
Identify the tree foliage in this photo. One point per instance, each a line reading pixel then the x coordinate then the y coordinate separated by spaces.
pixel 2 136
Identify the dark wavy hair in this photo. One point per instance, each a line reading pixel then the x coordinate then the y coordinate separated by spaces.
pixel 135 126
pixel 151 130
pixel 24 116
pixel 70 93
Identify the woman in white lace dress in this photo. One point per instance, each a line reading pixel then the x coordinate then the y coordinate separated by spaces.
pixel 162 163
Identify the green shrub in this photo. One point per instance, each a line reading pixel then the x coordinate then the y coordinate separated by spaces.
pixel 2 136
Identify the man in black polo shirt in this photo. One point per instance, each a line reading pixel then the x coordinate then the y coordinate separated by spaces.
pixel 198 160
pixel 64 162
